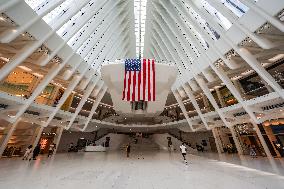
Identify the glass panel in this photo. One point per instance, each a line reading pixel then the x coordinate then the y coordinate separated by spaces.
pixel 74 20
pixel 236 7
pixel 34 3
pixel 140 18
pixel 199 20
pixel 223 21
pixel 58 11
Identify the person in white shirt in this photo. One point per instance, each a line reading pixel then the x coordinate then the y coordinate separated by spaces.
pixel 183 151
pixel 28 152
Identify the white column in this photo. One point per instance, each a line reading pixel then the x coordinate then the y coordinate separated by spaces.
pixel 262 42
pixel 95 105
pixel 210 97
pixel 8 4
pixel 36 141
pixel 269 88
pixel 82 102
pixel 264 14
pixel 217 140
pixel 261 139
pixel 243 52
pixel 205 102
pixel 227 81
pixel 252 61
pixel 195 105
pixel 236 140
pixel 182 107
pixel 221 100
pixel 47 79
pixel 97 90
pixel 8 136
pixel 240 88
pixel 58 138
pixel 207 92
pixel 17 59
pixel 65 95
pixel 8 36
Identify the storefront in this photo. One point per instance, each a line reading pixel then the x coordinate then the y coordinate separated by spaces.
pixel 248 138
pixel 46 139
pixel 273 131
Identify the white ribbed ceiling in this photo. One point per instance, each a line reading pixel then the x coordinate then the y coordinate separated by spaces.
pixel 102 25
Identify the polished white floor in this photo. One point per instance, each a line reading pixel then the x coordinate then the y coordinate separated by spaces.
pixel 148 170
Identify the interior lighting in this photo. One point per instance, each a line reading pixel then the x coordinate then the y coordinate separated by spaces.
pixel 140 17
pixel 25 68
pixel 276 58
pixel 4 59
pixel 247 72
pixel 37 75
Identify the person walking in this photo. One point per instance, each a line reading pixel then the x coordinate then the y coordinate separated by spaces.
pixel 128 150
pixel 35 152
pixel 252 151
pixel 183 151
pixel 51 149
pixel 71 147
pixel 28 152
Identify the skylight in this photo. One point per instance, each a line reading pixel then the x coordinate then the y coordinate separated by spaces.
pixel 34 3
pixel 140 19
pixel 235 6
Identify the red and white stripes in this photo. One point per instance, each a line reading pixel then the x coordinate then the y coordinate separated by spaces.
pixel 141 85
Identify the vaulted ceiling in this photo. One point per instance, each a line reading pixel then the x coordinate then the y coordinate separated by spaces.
pixel 213 43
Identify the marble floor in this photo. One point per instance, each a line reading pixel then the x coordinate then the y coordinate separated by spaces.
pixel 275 165
pixel 143 170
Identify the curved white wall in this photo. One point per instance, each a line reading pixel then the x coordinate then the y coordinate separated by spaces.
pixel 113 76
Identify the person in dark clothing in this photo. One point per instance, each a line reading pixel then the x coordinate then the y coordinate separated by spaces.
pixel 128 150
pixel 36 152
pixel 51 150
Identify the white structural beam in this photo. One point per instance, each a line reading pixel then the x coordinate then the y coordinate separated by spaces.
pixel 95 105
pixel 262 12
pixel 86 95
pixel 183 109
pixel 243 52
pixel 7 137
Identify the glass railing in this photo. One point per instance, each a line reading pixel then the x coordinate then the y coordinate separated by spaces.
pixel 15 89
pixel 22 90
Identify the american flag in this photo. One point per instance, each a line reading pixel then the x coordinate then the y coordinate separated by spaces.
pixel 139 80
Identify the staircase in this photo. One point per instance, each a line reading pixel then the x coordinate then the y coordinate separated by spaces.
pixel 143 144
